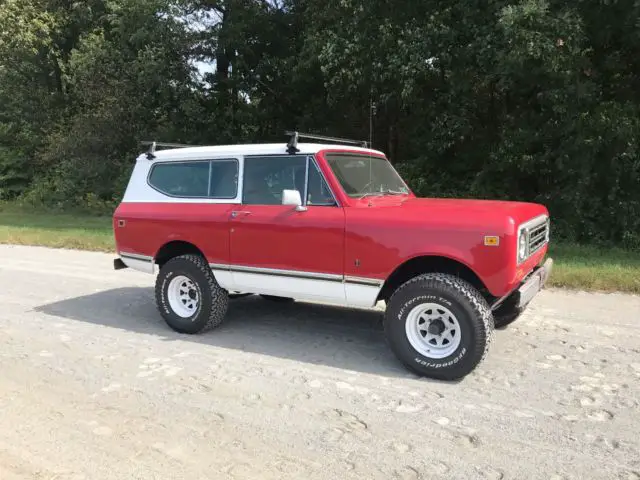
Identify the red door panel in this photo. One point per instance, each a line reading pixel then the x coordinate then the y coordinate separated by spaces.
pixel 279 237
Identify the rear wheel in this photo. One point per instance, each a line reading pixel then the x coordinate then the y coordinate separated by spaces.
pixel 188 296
pixel 439 326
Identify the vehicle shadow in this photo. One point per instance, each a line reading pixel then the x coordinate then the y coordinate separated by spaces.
pixel 351 339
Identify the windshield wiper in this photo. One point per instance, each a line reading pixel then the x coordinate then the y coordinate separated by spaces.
pixel 371 194
pixel 381 193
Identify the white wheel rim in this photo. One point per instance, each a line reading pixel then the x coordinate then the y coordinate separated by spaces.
pixel 183 296
pixel 433 330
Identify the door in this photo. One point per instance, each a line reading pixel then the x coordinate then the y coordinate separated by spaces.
pixel 278 249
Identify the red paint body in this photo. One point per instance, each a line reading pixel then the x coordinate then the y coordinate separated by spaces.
pixel 393 231
pixel 381 232
pixel 276 236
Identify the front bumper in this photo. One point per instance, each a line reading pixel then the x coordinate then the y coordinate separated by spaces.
pixel 519 298
pixel 536 282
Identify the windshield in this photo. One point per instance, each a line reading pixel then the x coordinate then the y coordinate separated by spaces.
pixel 362 175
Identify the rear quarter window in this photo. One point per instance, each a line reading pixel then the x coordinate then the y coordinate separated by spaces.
pixel 197 179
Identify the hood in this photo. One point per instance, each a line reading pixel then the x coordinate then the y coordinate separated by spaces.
pixel 448 211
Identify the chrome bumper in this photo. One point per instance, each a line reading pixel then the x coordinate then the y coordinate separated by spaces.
pixel 534 284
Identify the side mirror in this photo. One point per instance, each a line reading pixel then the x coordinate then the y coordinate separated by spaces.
pixel 292 197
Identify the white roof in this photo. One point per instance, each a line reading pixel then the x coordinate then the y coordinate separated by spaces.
pixel 249 149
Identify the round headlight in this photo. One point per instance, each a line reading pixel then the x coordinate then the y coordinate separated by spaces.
pixel 522 245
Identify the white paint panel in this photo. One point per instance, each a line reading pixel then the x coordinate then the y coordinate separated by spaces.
pixel 139 191
pixel 361 295
pixel 145 266
pixel 224 279
pixel 240 150
pixel 298 288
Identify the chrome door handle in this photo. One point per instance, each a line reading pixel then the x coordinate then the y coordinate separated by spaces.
pixel 237 213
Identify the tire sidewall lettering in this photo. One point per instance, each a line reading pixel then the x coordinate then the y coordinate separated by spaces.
pixel 164 301
pixel 408 306
pixel 436 364
pixel 424 361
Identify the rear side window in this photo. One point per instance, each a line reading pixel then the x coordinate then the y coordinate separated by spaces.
pixel 197 179
pixel 223 179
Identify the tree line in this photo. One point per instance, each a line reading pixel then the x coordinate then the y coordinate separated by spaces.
pixel 535 100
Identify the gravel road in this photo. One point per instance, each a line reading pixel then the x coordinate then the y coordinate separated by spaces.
pixel 95 386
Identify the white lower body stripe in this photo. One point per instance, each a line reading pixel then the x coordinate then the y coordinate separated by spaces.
pixel 135 261
pixel 331 277
pixel 310 286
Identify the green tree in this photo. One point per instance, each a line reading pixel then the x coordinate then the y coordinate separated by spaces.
pixel 530 100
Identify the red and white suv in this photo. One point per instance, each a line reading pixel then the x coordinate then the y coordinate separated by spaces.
pixel 332 223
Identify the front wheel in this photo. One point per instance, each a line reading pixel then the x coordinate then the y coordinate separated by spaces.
pixel 439 326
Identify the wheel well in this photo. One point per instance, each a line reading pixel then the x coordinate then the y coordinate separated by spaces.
pixel 174 249
pixel 429 264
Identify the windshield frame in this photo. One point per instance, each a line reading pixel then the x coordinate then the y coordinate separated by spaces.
pixel 366 155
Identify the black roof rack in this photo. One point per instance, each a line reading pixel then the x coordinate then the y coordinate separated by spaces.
pixel 153 145
pixel 292 145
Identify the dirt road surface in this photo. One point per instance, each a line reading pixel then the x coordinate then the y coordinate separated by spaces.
pixel 93 385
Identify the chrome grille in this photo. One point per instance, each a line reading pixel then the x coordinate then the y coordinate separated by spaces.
pixel 538 236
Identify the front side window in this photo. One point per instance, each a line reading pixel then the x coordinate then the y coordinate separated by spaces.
pixel 363 175
pixel 318 192
pixel 197 179
pixel 266 177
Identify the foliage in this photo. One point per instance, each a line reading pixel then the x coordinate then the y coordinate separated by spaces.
pixel 14 179
pixel 535 100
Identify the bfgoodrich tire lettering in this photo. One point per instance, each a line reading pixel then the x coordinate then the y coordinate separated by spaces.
pixel 213 300
pixel 471 312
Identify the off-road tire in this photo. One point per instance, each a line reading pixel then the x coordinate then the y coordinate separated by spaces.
pixel 464 301
pixel 274 298
pixel 214 300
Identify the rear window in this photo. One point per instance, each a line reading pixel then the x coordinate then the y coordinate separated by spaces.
pixel 197 179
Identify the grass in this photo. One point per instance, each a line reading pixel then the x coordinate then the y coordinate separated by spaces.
pixel 20 226
pixel 590 268
pixel 576 266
